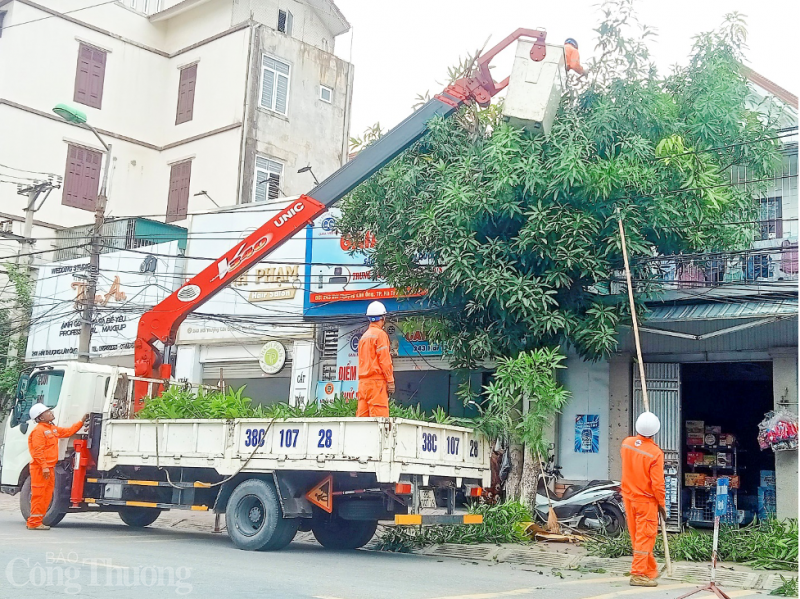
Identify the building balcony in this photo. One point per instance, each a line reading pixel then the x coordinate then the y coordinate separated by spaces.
pixel 770 267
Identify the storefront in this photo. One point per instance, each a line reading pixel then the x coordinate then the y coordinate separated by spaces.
pixel 129 282
pixel 714 372
pixel 339 287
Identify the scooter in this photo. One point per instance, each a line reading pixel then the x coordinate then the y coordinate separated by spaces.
pixel 595 506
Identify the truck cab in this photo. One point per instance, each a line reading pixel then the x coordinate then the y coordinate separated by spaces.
pixel 70 389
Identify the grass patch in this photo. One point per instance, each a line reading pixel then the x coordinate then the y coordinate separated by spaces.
pixel 788 588
pixel 764 545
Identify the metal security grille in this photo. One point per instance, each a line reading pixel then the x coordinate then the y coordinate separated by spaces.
pixel 330 342
pixel 664 393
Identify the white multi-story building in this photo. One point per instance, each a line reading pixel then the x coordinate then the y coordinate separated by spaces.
pixel 204 102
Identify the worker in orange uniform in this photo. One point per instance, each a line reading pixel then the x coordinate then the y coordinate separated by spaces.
pixel 644 496
pixel 375 371
pixel 573 57
pixel 43 445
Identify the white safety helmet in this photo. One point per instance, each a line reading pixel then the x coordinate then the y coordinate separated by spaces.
pixel 647 424
pixel 37 410
pixel 376 311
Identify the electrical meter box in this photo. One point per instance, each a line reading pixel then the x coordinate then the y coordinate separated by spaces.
pixel 535 88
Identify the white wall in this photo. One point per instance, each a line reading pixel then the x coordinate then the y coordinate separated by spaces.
pixel 589 385
pixel 312 132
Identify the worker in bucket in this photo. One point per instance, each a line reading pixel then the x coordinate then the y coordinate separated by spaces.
pixel 375 371
pixel 573 57
pixel 644 496
pixel 43 446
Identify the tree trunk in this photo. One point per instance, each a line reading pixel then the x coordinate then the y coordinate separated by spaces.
pixel 521 483
pixel 513 483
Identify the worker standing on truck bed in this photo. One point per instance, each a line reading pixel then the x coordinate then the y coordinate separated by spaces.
pixel 644 496
pixel 375 371
pixel 43 445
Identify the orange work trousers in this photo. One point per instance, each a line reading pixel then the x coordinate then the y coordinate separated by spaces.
pixel 41 494
pixel 373 398
pixel 643 525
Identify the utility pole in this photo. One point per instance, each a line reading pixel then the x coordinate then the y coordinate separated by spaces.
pixel 85 340
pixel 18 315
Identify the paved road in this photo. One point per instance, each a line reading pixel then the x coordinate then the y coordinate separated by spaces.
pixel 94 555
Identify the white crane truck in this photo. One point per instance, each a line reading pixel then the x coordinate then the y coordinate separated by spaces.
pixel 335 476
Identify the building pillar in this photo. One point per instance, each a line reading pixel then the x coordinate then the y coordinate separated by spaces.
pixel 784 389
pixel 187 365
pixel 620 404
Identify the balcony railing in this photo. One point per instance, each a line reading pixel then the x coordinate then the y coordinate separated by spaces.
pixel 121 234
pixel 772 267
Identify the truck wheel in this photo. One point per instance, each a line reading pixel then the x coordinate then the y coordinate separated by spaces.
pixel 336 533
pixel 255 518
pixel 139 517
pixel 53 515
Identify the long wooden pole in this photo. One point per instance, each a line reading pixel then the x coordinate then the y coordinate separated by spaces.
pixel 645 398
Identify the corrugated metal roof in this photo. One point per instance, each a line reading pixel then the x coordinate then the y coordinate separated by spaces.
pixel 719 311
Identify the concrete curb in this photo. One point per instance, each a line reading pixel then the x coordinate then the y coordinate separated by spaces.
pixel 539 556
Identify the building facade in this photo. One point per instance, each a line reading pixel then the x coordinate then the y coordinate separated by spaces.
pixel 205 103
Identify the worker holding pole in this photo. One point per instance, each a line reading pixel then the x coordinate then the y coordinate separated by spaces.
pixel 644 496
pixel 43 446
pixel 375 371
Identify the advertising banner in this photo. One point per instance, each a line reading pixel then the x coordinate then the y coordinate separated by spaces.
pixel 129 282
pixel 339 283
pixel 271 292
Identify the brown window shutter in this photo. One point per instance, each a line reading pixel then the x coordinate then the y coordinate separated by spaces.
pixel 82 179
pixel 89 77
pixel 186 87
pixel 178 199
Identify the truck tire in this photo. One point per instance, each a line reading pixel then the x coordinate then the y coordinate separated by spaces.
pixel 333 532
pixel 139 517
pixel 255 519
pixel 53 515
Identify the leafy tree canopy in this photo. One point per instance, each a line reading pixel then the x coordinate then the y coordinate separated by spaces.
pixel 515 238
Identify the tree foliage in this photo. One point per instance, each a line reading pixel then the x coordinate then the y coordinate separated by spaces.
pixel 14 315
pixel 515 238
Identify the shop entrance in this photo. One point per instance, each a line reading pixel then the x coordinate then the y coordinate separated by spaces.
pixel 722 405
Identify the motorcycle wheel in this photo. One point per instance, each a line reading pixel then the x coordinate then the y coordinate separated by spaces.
pixel 613 519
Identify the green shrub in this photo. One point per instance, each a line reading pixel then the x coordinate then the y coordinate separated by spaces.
pixel 500 525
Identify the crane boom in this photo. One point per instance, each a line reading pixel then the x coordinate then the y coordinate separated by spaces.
pixel 158 327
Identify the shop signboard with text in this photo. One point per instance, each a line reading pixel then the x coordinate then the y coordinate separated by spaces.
pixel 129 282
pixel 339 282
pixel 266 301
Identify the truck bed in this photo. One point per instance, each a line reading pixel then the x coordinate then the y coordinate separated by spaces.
pixel 387 447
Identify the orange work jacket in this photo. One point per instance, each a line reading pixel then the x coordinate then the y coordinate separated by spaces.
pixel 374 359
pixel 43 442
pixel 573 58
pixel 642 470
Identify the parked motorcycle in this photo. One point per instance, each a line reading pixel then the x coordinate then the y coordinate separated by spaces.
pixel 596 505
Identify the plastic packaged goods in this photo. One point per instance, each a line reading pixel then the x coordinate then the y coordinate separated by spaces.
pixel 778 431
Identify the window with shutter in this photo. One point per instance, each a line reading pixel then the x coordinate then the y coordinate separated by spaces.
pixel 267 184
pixel 81 181
pixel 90 75
pixel 274 85
pixel 178 199
pixel 285 21
pixel 186 86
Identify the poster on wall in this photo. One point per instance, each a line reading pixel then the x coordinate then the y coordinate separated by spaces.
pixel 128 283
pixel 587 433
